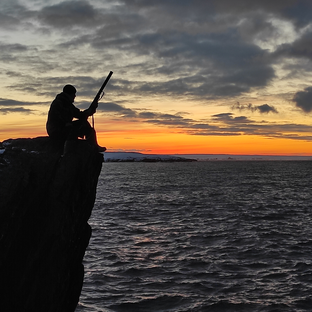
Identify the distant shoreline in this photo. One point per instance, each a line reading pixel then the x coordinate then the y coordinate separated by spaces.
pixel 229 157
pixel 135 156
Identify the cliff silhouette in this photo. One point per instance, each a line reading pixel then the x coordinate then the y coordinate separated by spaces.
pixel 46 198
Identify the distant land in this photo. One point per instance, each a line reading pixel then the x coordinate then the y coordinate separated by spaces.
pixel 136 157
pixel 228 157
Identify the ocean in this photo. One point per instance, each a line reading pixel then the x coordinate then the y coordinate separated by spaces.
pixel 200 236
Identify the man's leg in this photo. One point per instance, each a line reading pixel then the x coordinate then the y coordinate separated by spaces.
pixel 91 137
pixel 84 129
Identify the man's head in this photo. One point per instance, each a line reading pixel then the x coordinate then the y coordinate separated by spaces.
pixel 70 90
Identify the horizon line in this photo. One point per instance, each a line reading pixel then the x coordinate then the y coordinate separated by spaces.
pixel 212 155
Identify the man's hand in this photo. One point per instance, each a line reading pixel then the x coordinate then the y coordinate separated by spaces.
pixel 92 108
pixel 94 104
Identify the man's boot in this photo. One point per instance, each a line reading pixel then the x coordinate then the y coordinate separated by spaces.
pixel 91 138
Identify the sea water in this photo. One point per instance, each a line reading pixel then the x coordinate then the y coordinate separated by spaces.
pixel 201 236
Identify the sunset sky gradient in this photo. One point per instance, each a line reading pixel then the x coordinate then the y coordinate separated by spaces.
pixel 190 76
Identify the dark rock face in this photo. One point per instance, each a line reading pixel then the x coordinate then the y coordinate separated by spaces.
pixel 46 199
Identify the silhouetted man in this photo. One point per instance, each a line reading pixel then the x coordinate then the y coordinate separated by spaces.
pixel 60 123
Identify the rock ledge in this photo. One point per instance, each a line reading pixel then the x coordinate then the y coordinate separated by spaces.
pixel 46 199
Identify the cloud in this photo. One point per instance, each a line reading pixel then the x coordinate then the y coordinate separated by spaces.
pixel 13 103
pixel 68 14
pixel 170 120
pixel 228 124
pixel 49 86
pixel 5 111
pixel 109 107
pixel 12 14
pixel 303 99
pixel 8 22
pixel 212 65
pixel 204 64
pixel 229 119
pixel 263 109
pixel 266 108
pixel 200 6
pixel 8 106
pixel 155 118
pixel 300 48
pixel 12 48
pixel 300 12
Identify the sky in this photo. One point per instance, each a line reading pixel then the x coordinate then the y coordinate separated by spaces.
pixel 190 76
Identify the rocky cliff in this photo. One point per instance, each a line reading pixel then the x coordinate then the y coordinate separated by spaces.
pixel 46 198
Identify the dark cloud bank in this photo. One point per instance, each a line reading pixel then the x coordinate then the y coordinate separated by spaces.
pixel 201 48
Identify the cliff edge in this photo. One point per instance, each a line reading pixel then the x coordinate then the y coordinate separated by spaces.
pixel 46 199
